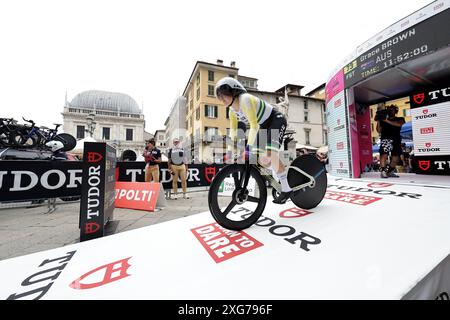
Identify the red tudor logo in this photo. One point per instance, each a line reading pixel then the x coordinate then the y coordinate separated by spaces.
pixel 210 173
pixel 379 185
pixel 418 98
pixel 424 165
pixel 114 271
pixel 428 144
pixel 94 157
pixel 294 213
pixel 91 227
pixel 425 111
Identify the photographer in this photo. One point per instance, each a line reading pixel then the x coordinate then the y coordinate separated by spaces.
pixel 389 125
pixel 152 157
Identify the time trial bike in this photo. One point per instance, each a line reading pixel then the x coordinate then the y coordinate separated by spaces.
pixel 236 184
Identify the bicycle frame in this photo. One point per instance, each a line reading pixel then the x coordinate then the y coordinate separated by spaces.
pixel 311 183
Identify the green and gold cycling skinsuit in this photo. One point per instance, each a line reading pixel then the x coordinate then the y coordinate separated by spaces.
pixel 258 114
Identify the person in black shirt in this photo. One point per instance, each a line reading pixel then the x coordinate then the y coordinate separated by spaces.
pixel 178 167
pixel 152 157
pixel 389 129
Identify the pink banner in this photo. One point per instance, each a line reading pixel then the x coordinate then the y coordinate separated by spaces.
pixel 335 85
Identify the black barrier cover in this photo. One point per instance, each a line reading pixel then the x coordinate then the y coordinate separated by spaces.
pixel 30 180
pixel 199 175
pixel 97 192
pixel 411 43
pixel 429 96
pixel 435 165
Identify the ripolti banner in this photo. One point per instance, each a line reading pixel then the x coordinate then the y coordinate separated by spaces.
pixel 28 180
pixel 98 190
pixel 381 252
pixel 138 195
pixel 198 175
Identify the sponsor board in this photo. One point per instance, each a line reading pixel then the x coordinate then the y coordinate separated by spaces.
pixel 434 165
pixel 228 185
pixel 138 195
pixel 26 180
pixel 430 130
pixel 98 189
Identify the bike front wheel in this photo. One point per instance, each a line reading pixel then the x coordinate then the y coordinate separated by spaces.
pixel 227 197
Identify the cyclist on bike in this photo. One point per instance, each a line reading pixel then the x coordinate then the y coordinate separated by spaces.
pixel 258 114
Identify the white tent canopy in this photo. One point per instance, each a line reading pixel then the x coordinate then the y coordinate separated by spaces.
pixel 80 145
pixel 302 146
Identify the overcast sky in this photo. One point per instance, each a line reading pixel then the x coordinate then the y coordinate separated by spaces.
pixel 147 49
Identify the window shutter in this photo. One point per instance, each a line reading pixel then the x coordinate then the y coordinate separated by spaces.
pixel 215 112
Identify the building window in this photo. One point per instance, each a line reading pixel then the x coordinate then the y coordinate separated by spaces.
pixel 191 104
pixel 231 75
pixel 198 93
pixel 197 113
pixel 80 132
pixel 210 132
pixel 129 135
pixel 404 113
pixel 211 111
pixel 228 112
pixel 305 104
pixel 210 75
pixel 307 136
pixel 371 113
pixel 198 79
pixel 210 90
pixel 371 125
pixel 106 133
pixel 306 116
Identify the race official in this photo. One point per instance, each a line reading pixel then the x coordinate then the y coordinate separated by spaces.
pixel 178 167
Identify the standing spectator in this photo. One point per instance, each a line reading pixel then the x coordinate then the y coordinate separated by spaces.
pixel 178 166
pixel 152 157
pixel 405 157
pixel 389 125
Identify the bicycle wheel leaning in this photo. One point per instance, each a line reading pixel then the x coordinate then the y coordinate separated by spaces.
pixel 226 192
pixel 308 198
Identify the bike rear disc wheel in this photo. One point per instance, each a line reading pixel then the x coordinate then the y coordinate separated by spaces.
pixel 308 198
pixel 221 204
pixel 67 140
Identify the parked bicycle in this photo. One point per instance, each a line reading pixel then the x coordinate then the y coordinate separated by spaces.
pixel 237 184
pixel 33 136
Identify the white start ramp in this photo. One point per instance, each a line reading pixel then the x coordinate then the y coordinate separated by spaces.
pixel 366 240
